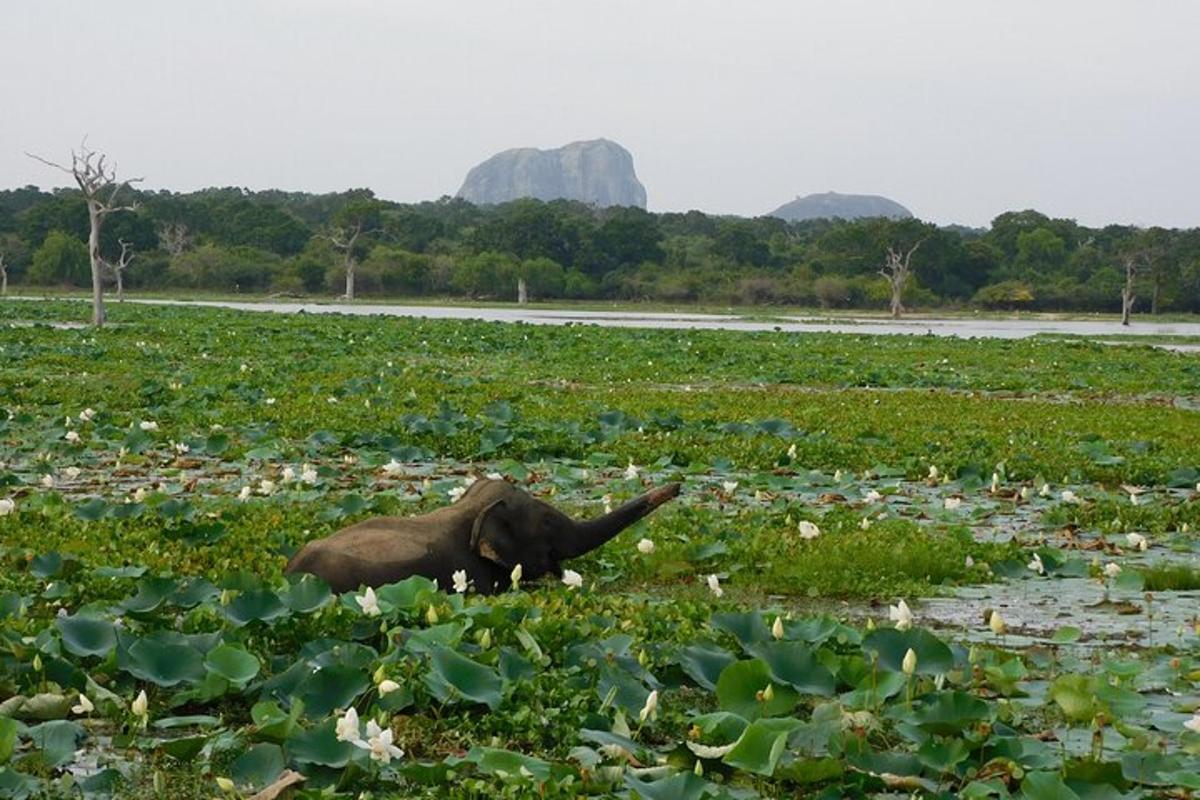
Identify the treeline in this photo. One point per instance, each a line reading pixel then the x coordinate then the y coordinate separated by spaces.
pixel 233 240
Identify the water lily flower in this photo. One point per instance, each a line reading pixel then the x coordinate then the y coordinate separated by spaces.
pixel 379 744
pixel 714 586
pixel 72 437
pixel 148 425
pixel 1137 541
pixel 456 493
pixel 460 581
pixel 874 496
pixel 645 546
pixel 84 706
pixel 865 523
pixel 1025 492
pixel 837 476
pixel 48 481
pixel 729 486
pixel 181 448
pixel 72 472
pixel 1112 569
pixel 572 579
pixel 347 726
pixel 996 623
pixel 392 468
pixel 711 751
pixel 809 530
pixel 631 472
pixel 288 475
pixel 650 709
pixel 308 474
pixel 387 687
pixel 139 494
pixel 933 472
pixel 515 575
pixel 909 664
pixel 225 784
pixel 1036 565
pixel 1193 724
pixel 902 615
pixel 87 415
pixel 244 494
pixel 952 503
pixel 266 486
pixel 777 628
pixel 7 506
pixel 270 401
pixel 141 705
pixel 369 603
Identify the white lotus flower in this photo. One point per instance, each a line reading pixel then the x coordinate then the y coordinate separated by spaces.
pixel 270 401
pixel 379 744
pixel 72 437
pixel 140 705
pixel 1137 541
pixel 456 493
pixel 909 664
pixel 777 628
pixel 347 726
pixel 933 472
pixel 1026 492
pixel 837 476
pixel 809 530
pixel 266 487
pixel 608 501
pixel 791 452
pixel 714 586
pixel 650 709
pixel 995 482
pixel 873 496
pixel 244 494
pixel 865 524
pixel 711 751
pixel 387 687
pixel 631 472
pixel 494 476
pixel 288 475
pixel 1193 724
pixel 148 425
pixel 572 579
pixel 645 546
pixel 460 581
pixel 369 603
pixel 72 472
pixel 952 503
pixel 48 481
pixel 1036 565
pixel 729 486
pixel 7 506
pixel 1069 497
pixel 84 706
pixel 308 474
pixel 996 623
pixel 392 468
pixel 1045 490
pixel 139 494
pixel 968 562
pixel 1112 569
pixel 901 615
pixel 87 415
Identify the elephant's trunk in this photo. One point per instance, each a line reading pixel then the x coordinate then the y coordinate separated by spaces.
pixel 589 535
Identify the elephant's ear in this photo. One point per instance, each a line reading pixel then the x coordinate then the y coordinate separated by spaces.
pixel 492 536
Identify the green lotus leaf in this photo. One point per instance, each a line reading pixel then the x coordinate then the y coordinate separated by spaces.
pixel 86 636
pixel 742 690
pixel 468 678
pixel 258 767
pixel 761 745
pixel 232 663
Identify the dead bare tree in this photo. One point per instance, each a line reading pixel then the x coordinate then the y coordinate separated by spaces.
pixel 352 222
pixel 174 238
pixel 3 276
pixel 897 268
pixel 100 187
pixel 118 269
pixel 1129 290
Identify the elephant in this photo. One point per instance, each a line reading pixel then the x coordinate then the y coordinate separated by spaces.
pixel 487 532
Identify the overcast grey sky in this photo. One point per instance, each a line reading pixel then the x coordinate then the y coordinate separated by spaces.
pixel 958 109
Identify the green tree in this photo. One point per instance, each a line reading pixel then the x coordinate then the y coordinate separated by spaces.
pixel 62 259
pixel 542 277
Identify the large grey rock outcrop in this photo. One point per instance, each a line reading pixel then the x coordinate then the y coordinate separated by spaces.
pixel 598 172
pixel 843 206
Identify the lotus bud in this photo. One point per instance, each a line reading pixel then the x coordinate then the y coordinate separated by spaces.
pixel 777 628
pixel 160 782
pixel 698 769
pixel 225 785
pixel 485 638
pixel 379 675
pixel 37 662
pixel 909 665
pixel 431 615
pixel 516 577
pixel 768 693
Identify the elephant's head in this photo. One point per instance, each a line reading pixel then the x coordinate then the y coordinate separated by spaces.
pixel 513 527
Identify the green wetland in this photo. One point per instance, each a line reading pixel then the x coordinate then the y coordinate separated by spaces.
pixel 1034 504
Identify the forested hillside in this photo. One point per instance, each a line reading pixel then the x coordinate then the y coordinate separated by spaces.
pixel 233 240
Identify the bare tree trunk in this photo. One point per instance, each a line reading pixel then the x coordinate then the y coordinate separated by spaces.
pixel 897 294
pixel 350 266
pixel 1157 291
pixel 96 218
pixel 1128 294
pixel 120 286
pixel 3 276
pixel 522 291
pixel 896 269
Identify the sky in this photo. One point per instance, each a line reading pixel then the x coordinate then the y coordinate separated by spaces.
pixel 959 109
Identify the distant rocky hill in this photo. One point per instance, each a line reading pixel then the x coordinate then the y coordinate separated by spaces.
pixel 598 172
pixel 844 206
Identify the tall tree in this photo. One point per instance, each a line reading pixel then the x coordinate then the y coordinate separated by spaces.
pixel 100 188
pixel 352 222
pixel 897 268
pixel 118 268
